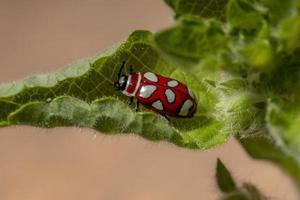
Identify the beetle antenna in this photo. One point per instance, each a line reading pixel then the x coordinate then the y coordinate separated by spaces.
pixel 121 69
pixel 131 69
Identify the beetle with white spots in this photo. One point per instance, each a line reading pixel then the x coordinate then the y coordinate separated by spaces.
pixel 164 95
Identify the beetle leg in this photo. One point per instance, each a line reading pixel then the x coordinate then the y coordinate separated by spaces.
pixel 137 106
pixel 167 118
pixel 130 100
pixel 131 69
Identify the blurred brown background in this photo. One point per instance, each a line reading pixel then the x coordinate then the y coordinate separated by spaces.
pixel 39 36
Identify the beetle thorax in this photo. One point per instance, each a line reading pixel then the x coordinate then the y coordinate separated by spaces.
pixel 132 85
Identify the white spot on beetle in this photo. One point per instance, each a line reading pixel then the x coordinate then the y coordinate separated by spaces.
pixel 158 105
pixel 147 90
pixel 172 83
pixel 151 76
pixel 170 95
pixel 191 93
pixel 184 111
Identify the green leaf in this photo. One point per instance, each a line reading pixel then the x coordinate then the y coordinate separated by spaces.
pixel 224 179
pixel 231 191
pixel 192 39
pixel 247 192
pixel 243 16
pixel 283 80
pixel 283 122
pixel 239 107
pixel 265 148
pixel 83 95
pixel 202 8
pixel 107 114
pixel 200 47
pixel 276 10
pixel 260 54
pixel 289 33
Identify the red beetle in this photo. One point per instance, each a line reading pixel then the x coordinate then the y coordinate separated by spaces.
pixel 163 95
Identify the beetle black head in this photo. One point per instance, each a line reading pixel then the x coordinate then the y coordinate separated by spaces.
pixel 121 82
